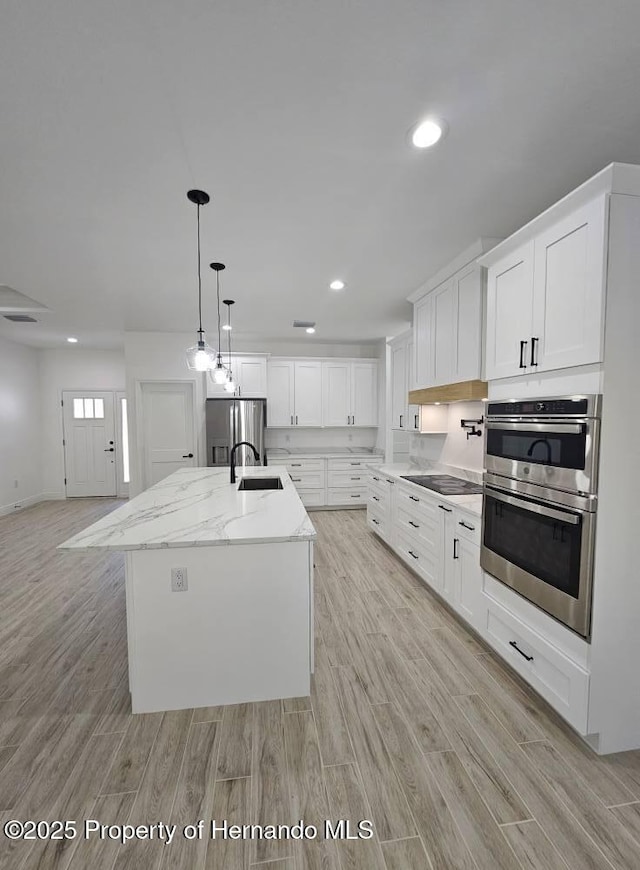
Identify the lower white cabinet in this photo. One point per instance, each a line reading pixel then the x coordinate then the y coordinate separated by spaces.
pixel 328 482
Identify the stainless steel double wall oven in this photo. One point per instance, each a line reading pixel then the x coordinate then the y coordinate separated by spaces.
pixel 540 497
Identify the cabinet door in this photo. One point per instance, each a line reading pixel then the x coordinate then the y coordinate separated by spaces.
pixel 336 393
pixel 446 563
pixel 399 386
pixel 280 393
pixel 251 376
pixel 422 344
pixel 413 411
pixel 467 585
pixel 308 393
pixel 364 394
pixel 568 298
pixel 443 333
pixel 467 339
pixel 509 314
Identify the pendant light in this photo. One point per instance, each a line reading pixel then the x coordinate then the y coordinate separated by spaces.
pixel 218 372
pixel 200 357
pixel 230 386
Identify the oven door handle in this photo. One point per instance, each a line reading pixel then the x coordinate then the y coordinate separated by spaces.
pixel 543 509
pixel 524 426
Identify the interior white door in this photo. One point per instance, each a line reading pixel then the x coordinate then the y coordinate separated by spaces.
pixel 89 443
pixel 364 394
pixel 510 314
pixel 167 428
pixel 336 389
pixel 308 393
pixel 568 299
pixel 280 393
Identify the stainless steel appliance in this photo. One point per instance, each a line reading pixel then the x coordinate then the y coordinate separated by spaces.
pixel 445 484
pixel 552 442
pixel 540 498
pixel 231 420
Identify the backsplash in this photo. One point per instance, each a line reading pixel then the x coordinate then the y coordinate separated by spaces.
pixel 454 448
pixel 339 437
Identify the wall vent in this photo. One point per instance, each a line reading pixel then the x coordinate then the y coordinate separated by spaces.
pixel 20 318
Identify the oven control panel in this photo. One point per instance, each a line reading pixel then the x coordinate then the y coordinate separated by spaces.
pixel 577 406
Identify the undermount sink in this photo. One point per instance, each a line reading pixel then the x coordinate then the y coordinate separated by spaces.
pixel 254 483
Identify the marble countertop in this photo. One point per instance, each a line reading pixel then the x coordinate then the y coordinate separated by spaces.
pixel 198 507
pixel 470 503
pixel 320 452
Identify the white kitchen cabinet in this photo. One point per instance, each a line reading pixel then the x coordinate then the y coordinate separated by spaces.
pixel 467 574
pixel 413 411
pixel 294 393
pixel 399 382
pixel 469 295
pixel 442 333
pixel 545 300
pixel 422 343
pixel 249 374
pixel 350 393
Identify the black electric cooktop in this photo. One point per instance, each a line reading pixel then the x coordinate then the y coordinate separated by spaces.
pixel 445 484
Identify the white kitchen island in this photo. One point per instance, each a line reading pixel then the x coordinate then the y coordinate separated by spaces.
pixel 242 629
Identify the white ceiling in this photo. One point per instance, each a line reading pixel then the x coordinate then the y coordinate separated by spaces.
pixel 293 115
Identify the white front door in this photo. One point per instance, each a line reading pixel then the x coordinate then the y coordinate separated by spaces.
pixel 168 431
pixel 89 443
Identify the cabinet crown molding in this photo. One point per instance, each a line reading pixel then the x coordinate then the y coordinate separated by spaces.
pixel 469 255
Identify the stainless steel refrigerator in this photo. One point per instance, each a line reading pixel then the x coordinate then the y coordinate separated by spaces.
pixel 233 420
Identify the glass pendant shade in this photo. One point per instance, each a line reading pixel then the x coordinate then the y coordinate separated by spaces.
pixel 219 372
pixel 200 357
pixel 230 386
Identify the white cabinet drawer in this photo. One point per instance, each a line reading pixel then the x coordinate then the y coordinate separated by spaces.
pixel 350 478
pixel 417 558
pixel 416 503
pixel 312 497
pixel 354 497
pixel 377 520
pixel 358 463
pixel 561 681
pixel 304 479
pixel 419 527
pixel 297 464
pixel 468 527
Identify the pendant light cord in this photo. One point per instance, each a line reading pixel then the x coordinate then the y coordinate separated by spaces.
pixel 219 333
pixel 199 279
pixel 229 342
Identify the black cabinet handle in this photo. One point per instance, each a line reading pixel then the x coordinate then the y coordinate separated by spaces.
pixel 413 498
pixel 523 347
pixel 415 526
pixel 390 481
pixel 415 424
pixel 376 478
pixel 355 496
pixel 443 508
pixel 517 648
pixel 534 355
pixel 375 498
pixel 296 465
pixel 411 553
pixel 465 526
pixel 401 416
pixel 296 419
pixel 111 449
pixel 296 479
pixel 375 521
pixel 187 455
pixel 355 463
pixel 455 548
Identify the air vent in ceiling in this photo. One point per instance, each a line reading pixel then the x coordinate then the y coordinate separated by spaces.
pixel 304 324
pixel 20 318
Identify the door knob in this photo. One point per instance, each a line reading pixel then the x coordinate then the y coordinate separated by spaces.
pixel 187 455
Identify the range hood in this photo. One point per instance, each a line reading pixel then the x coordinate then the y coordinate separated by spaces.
pixel 463 391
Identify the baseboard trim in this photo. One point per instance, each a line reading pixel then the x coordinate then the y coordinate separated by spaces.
pixel 23 503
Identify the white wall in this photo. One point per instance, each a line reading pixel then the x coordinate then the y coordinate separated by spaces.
pixel 339 437
pixel 70 368
pixel 454 448
pixel 20 425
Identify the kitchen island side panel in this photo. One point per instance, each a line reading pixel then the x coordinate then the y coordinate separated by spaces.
pixel 240 632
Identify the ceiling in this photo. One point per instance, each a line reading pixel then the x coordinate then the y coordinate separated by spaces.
pixel 293 115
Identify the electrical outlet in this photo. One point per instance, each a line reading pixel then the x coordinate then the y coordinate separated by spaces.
pixel 179 580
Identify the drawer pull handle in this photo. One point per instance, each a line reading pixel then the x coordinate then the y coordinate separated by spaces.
pixel 355 478
pixel 411 553
pixel 390 481
pixel 455 548
pixel 443 508
pixel 355 463
pixel 465 526
pixel 355 496
pixel 517 648
pixel 296 479
pixel 413 498
pixel 296 465
pixel 415 525
pixel 376 478
pixel 375 498
pixel 376 522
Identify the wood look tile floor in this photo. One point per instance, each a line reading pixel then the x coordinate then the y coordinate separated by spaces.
pixel 411 723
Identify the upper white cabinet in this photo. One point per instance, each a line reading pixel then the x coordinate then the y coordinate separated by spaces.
pixel 350 393
pixel 448 322
pixel 399 382
pixel 249 374
pixel 295 393
pixel 314 392
pixel 545 299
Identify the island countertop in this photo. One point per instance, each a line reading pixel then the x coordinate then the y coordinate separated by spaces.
pixel 199 507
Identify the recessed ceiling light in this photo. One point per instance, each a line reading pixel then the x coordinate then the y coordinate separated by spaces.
pixel 310 329
pixel 428 132
pixel 72 340
pixel 337 285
